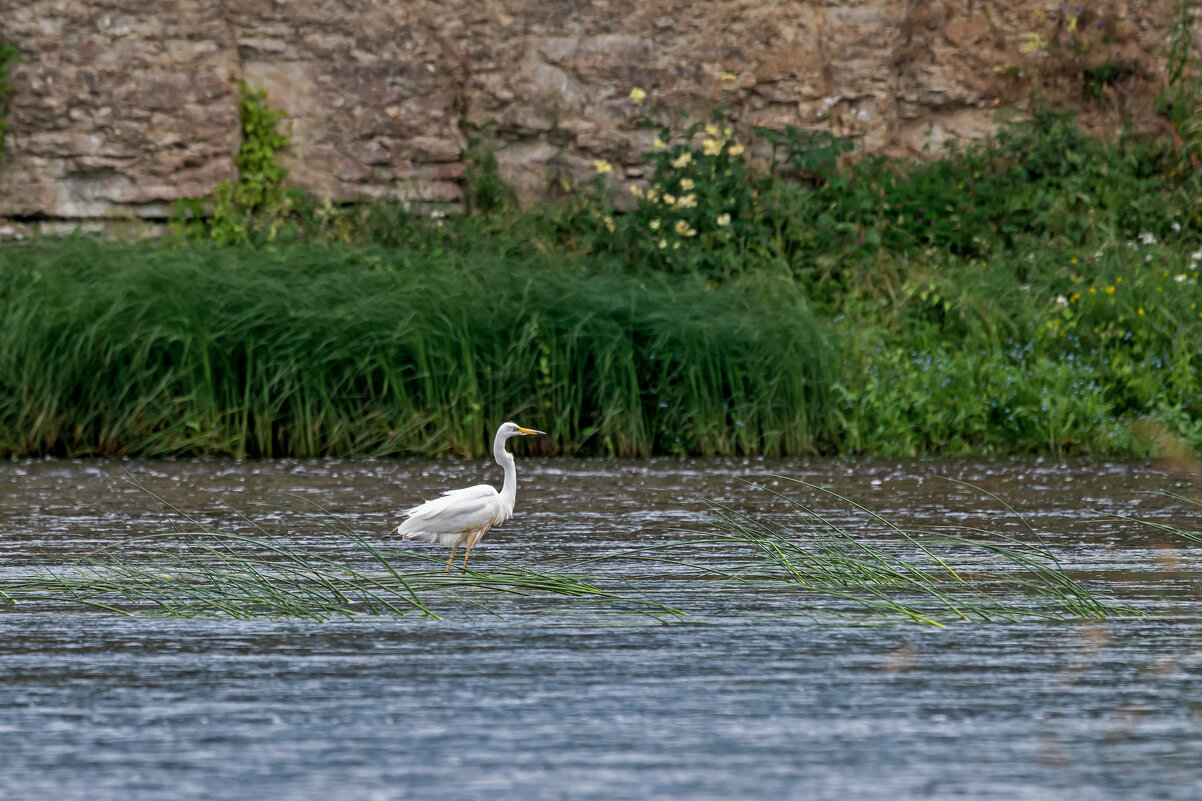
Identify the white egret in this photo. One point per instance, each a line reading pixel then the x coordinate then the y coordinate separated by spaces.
pixel 460 517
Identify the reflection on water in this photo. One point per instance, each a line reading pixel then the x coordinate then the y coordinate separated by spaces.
pixel 733 704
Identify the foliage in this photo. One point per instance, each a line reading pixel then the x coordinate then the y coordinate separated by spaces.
pixel 901 574
pixel 307 350
pixel 1038 350
pixel 199 571
pixel 1136 310
pixel 1178 100
pixel 8 60
pixel 483 190
pixel 1036 291
pixel 931 578
pixel 257 206
pixel 706 211
pixel 698 213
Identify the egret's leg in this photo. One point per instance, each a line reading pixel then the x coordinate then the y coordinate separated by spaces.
pixel 454 548
pixel 469 553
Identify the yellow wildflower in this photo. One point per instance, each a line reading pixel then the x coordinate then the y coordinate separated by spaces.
pixel 1141 311
pixel 682 160
pixel 683 228
pixel 1110 289
pixel 1074 259
pixel 653 195
pixel 686 184
pixel 654 224
pixel 663 243
pixel 602 166
pixel 711 147
pixel 735 150
pixel 659 144
pixel 711 129
pixel 636 190
pixel 669 199
pixel 723 220
pixel 688 202
pixel 1033 43
pixel 637 96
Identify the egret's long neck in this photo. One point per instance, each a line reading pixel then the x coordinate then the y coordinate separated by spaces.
pixel 509 489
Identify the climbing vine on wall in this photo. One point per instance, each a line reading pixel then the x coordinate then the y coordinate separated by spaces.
pixel 257 204
pixel 8 60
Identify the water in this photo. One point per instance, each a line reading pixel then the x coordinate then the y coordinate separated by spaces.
pixel 741 700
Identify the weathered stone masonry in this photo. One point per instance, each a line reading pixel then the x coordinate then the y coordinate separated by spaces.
pixel 123 106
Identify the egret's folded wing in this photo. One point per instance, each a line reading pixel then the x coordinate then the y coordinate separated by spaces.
pixel 455 511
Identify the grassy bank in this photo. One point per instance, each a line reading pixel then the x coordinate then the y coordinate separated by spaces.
pixel 309 350
pixel 1033 293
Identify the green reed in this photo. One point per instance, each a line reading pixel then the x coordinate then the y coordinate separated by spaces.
pixel 201 571
pixel 207 574
pixel 805 558
pixel 306 350
pixel 1173 531
pixel 895 573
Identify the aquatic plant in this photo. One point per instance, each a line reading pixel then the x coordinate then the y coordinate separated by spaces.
pixel 1173 531
pixel 879 573
pixel 928 577
pixel 201 571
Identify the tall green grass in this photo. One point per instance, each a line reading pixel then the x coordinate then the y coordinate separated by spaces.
pixel 307 350
pixel 931 578
pixel 200 570
pixel 1034 292
pixel 876 572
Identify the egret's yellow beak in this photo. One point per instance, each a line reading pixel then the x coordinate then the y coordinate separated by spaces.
pixel 529 431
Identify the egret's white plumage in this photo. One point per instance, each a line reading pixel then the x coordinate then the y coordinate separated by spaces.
pixel 460 517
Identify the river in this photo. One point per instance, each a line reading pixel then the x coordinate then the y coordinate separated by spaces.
pixel 746 694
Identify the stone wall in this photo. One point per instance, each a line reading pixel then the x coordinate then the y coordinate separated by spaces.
pixel 123 106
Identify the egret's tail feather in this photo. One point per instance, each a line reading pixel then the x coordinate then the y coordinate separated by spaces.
pixel 420 536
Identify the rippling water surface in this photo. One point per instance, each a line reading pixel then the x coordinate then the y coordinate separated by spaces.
pixel 744 697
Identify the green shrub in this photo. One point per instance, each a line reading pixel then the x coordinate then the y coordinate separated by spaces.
pixel 256 206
